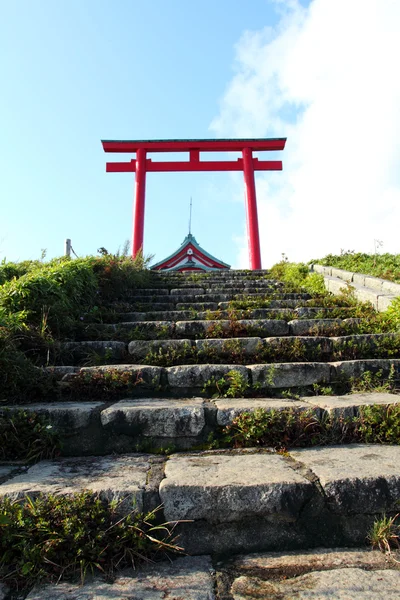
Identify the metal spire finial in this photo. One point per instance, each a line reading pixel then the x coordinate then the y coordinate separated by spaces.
pixel 190 216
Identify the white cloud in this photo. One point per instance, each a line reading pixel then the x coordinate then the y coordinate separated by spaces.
pixel 327 78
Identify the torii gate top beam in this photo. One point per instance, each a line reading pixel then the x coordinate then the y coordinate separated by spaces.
pixel 219 145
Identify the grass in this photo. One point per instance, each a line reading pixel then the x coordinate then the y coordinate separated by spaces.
pixel 385 534
pixel 41 303
pixel 53 538
pixel 293 428
pixel 27 436
pixel 386 266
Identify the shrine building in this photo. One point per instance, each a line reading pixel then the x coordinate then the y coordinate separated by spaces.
pixel 190 257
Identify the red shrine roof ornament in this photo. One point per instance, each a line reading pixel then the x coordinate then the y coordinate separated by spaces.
pixel 190 257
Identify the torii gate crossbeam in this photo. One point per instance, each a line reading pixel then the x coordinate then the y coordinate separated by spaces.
pixel 248 164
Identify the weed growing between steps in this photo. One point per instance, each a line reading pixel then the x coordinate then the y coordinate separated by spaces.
pixel 232 385
pixel 235 385
pixel 385 534
pixel 57 537
pixel 26 436
pixel 103 385
pixel 291 428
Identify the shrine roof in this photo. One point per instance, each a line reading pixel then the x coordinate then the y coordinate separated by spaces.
pixel 190 239
pixel 205 145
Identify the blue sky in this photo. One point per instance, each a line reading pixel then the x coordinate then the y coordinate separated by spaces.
pixel 75 72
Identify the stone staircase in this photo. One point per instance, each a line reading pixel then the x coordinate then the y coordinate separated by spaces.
pixel 136 425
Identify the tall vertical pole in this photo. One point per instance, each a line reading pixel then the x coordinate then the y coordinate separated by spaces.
pixel 138 213
pixel 251 210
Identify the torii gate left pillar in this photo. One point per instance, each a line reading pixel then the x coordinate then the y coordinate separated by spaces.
pixel 141 165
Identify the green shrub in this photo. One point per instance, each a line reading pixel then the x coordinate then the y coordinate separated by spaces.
pixel 298 276
pixel 58 537
pixel 45 303
pixel 385 265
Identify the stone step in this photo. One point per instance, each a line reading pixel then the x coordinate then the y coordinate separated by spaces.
pixel 239 500
pixel 152 292
pixel 336 574
pixel 257 500
pixel 245 341
pixel 290 348
pixel 189 380
pixel 215 296
pixel 321 574
pixel 99 428
pixel 186 578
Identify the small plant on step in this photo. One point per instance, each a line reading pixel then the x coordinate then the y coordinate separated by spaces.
pixel 231 385
pixel 384 534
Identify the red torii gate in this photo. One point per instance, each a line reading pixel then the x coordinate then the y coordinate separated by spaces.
pixel 142 165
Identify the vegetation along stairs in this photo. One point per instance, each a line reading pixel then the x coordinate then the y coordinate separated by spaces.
pixel 257 415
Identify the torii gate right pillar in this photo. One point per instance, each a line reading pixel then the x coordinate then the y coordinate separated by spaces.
pixel 251 210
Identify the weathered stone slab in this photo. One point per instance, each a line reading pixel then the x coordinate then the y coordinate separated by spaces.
pixel 187 578
pixel 359 279
pixel 151 292
pixel 348 406
pixel 223 487
pixel 211 297
pixel 359 478
pixel 355 368
pixel 389 287
pixel 322 269
pixel 314 326
pixel 336 286
pixel 384 302
pixel 282 565
pixel 198 329
pixel 184 291
pixel 156 315
pixel 228 347
pixel 280 375
pixel 64 416
pixel 265 327
pixel 145 374
pixel 197 306
pixel 341 274
pixel 338 584
pixel 151 330
pixel 186 378
pixel 359 343
pixel 118 477
pixel 229 409
pixel 139 349
pixel 374 283
pixel 299 348
pixel 152 417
